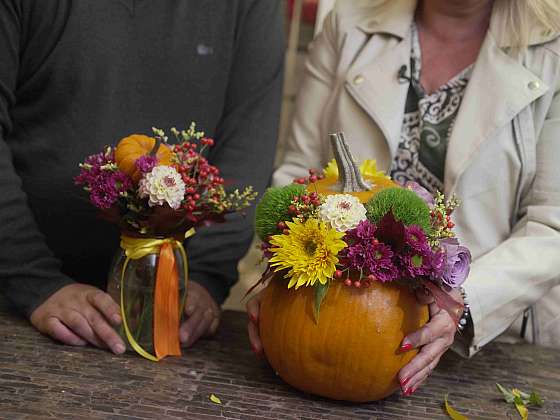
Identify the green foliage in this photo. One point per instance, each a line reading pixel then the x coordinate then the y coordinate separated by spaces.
pixel 520 399
pixel 273 208
pixel 320 293
pixel 517 396
pixel 406 206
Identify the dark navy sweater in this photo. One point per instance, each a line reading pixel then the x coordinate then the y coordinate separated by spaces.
pixel 76 75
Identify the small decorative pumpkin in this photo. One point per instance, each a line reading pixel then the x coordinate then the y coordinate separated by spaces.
pixel 135 146
pixel 350 180
pixel 352 353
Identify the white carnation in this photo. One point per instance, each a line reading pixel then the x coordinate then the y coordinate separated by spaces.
pixel 163 185
pixel 342 211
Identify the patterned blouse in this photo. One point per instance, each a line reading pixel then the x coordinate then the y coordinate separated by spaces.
pixel 427 125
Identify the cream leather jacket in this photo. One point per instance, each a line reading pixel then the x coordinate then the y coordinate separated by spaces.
pixel 503 159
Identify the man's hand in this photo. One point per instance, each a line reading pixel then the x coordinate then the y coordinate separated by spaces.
pixel 203 315
pixel 79 314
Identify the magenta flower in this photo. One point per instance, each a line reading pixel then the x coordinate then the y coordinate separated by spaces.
pixel 416 263
pixel 367 255
pixel 146 163
pixel 99 176
pixel 365 231
pixel 382 265
pixel 108 187
pixel 416 238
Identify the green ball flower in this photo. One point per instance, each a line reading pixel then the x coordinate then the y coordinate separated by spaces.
pixel 406 206
pixel 273 208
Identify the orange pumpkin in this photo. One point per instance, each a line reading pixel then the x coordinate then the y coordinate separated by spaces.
pixel 328 186
pixel 135 146
pixel 352 353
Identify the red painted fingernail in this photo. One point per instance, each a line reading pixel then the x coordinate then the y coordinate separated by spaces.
pixel 404 382
pixel 406 347
pixel 253 318
pixel 256 351
pixel 408 392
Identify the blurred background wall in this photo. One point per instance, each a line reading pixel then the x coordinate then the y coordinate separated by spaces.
pixel 303 19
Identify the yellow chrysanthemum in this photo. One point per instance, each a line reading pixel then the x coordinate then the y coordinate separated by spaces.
pixel 309 252
pixel 367 168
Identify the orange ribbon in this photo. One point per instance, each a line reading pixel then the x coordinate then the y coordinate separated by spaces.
pixel 166 304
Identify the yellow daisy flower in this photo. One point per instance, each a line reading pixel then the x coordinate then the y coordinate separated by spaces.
pixel 309 252
pixel 367 168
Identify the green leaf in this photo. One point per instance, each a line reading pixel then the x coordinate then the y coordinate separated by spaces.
pixel 517 400
pixel 417 261
pixel 535 399
pixel 520 399
pixel 320 293
pixel 215 399
pixel 452 413
pixel 508 395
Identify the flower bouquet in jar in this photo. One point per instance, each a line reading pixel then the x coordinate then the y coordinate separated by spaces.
pixel 157 193
pixel 347 248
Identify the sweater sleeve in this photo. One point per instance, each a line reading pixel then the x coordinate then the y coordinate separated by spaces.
pixel 245 141
pixel 29 273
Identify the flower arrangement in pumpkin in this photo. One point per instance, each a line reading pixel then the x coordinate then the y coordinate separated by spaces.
pixel 313 234
pixel 149 187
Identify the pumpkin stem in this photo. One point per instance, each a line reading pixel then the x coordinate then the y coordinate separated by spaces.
pixel 349 177
pixel 155 149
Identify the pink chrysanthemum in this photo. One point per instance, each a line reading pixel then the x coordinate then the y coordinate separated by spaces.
pixel 101 178
pixel 416 238
pixel 367 255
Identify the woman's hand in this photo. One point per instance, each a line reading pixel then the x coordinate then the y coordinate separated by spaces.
pixel 253 309
pixel 433 339
pixel 203 315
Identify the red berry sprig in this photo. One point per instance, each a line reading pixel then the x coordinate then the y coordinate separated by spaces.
pixel 203 183
pixel 313 177
pixel 361 283
pixel 305 206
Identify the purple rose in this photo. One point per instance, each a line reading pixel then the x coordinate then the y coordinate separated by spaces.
pixel 457 262
pixel 421 192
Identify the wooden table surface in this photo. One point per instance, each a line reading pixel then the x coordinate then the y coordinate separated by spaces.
pixel 42 379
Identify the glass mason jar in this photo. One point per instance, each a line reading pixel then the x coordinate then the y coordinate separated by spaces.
pixel 139 288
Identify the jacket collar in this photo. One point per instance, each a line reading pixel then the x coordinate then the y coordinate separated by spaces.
pixel 490 102
pixel 395 17
pixel 373 83
pixel 392 17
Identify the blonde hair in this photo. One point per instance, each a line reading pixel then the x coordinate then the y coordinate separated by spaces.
pixel 521 17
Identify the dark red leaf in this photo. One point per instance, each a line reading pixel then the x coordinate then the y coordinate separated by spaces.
pixel 390 231
pixel 445 301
